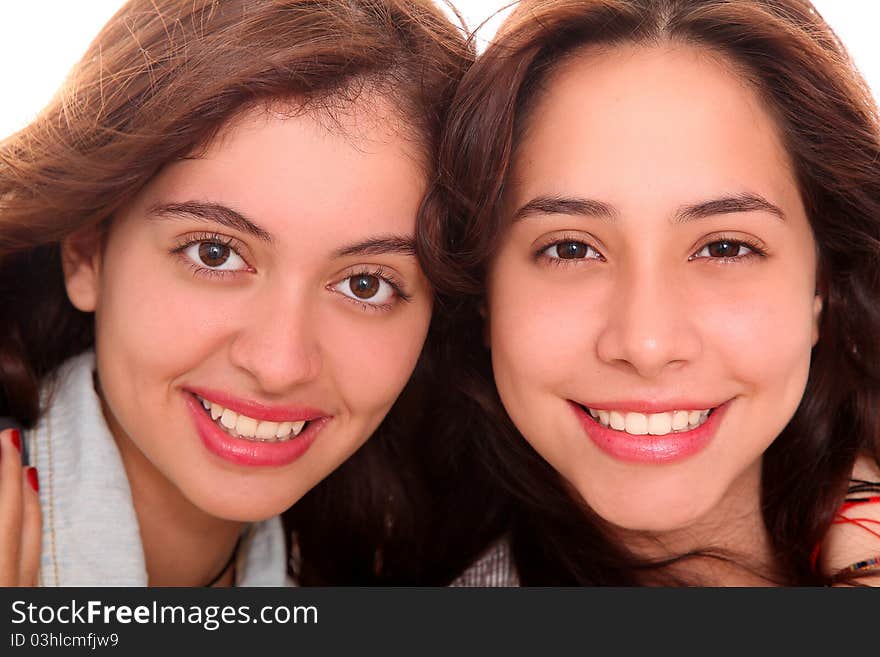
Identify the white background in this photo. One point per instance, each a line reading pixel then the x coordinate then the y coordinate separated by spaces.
pixel 40 41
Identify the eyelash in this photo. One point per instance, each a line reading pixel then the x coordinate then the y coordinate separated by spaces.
pixel 756 249
pixel 379 272
pixel 209 238
pixel 215 238
pixel 539 254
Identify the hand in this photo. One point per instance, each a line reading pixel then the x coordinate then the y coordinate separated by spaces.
pixel 20 518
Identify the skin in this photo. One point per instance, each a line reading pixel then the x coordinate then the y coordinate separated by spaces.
pixel 276 327
pixel 649 315
pixel 20 522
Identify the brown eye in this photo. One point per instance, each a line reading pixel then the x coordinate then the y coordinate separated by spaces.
pixel 368 289
pixel 213 254
pixel 728 249
pixel 364 286
pixel 723 249
pixel 570 250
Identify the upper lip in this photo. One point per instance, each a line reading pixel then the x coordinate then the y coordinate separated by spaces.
pixel 258 410
pixel 649 407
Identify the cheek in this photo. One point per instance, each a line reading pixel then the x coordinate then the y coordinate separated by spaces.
pixel 540 331
pixel 762 330
pixel 763 346
pixel 151 327
pixel 371 359
pixel 148 316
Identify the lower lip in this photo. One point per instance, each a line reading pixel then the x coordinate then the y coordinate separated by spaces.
pixel 650 449
pixel 249 452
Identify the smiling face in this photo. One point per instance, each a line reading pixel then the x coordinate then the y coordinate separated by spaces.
pixel 259 308
pixel 658 264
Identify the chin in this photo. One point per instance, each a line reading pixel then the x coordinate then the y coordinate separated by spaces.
pixel 642 520
pixel 252 507
pixel 651 511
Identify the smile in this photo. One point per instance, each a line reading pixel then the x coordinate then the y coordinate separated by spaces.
pixel 655 424
pixel 250 433
pixel 666 436
pixel 239 425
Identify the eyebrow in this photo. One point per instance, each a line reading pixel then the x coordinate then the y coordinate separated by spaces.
pixel 381 245
pixel 746 202
pixel 226 216
pixel 213 212
pixel 565 205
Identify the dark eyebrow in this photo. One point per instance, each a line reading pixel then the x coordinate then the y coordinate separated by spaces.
pixel 565 205
pixel 586 207
pixel 384 244
pixel 727 205
pixel 214 212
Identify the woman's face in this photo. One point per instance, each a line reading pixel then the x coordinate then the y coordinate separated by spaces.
pixel 259 308
pixel 658 264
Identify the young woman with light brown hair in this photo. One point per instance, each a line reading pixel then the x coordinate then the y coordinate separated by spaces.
pixel 212 298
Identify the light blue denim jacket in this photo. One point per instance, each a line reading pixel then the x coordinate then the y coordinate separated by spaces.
pixel 90 530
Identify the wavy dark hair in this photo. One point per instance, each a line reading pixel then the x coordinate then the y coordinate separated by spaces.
pixel 829 124
pixel 160 80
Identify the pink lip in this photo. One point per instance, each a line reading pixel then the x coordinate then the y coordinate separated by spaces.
pixel 650 449
pixel 257 410
pixel 249 452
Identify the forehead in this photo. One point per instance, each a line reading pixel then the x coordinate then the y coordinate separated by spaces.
pixel 675 117
pixel 290 171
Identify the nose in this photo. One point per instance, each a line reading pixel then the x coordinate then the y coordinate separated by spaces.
pixel 649 325
pixel 278 344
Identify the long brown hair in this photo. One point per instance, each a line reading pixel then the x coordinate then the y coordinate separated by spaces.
pixel 829 125
pixel 160 80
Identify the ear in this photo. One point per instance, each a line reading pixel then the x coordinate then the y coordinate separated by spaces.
pixel 81 261
pixel 817 314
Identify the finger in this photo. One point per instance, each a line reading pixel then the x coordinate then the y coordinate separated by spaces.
pixel 10 506
pixel 31 529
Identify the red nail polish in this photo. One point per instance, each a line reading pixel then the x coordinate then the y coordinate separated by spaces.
pixel 33 480
pixel 16 440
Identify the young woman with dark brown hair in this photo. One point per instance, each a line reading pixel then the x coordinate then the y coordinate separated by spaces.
pixel 212 298
pixel 661 219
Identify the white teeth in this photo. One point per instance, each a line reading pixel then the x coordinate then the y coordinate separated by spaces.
pixel 228 419
pixel 679 420
pixel 242 426
pixel 636 424
pixel 659 424
pixel 246 426
pixel 656 424
pixel 266 430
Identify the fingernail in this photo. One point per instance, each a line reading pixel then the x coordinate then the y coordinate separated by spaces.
pixel 33 479
pixel 16 439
